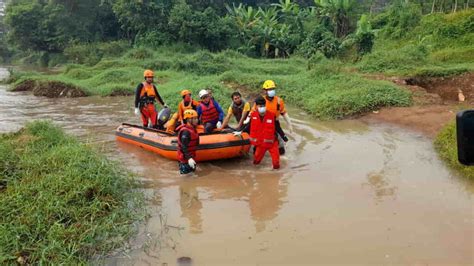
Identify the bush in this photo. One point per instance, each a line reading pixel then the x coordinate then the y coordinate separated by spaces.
pixel 140 53
pixel 91 54
pixel 320 39
pixel 56 59
pixel 399 20
pixel 87 54
pixel 203 63
pixel 152 39
pixel 405 58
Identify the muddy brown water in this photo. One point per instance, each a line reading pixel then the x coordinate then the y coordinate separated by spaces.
pixel 349 192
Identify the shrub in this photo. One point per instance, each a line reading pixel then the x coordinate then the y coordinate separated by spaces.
pixel 320 39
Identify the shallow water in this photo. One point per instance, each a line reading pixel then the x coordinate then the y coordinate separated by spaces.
pixel 348 193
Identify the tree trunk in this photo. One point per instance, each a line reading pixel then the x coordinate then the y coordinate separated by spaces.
pixel 455 5
pixel 433 6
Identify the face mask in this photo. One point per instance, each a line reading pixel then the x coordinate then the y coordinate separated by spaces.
pixel 271 93
pixel 262 109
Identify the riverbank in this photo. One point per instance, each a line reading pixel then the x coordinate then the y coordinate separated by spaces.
pixel 61 201
pixel 323 88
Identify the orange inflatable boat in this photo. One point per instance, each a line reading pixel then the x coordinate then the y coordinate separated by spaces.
pixel 212 146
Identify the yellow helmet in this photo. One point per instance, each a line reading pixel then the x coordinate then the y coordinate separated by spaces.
pixel 190 113
pixel 185 92
pixel 148 73
pixel 268 85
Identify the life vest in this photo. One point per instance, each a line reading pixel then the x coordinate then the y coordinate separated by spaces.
pixel 193 143
pixel 191 105
pixel 147 94
pixel 262 130
pixel 209 112
pixel 237 110
pixel 273 105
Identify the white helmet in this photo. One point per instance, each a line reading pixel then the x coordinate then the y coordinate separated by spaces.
pixel 203 93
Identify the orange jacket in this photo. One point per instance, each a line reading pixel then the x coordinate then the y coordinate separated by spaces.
pixel 182 108
pixel 276 106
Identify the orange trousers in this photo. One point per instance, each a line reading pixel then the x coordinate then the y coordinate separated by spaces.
pixel 149 112
pixel 274 153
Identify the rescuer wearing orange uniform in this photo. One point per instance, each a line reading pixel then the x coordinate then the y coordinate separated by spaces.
pixel 145 96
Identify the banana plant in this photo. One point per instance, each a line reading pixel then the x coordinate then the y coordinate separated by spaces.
pixel 338 12
pixel 266 25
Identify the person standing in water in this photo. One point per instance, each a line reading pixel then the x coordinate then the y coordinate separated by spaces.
pixel 264 132
pixel 188 140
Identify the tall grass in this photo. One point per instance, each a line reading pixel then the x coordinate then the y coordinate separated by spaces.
pixel 61 202
pixel 443 43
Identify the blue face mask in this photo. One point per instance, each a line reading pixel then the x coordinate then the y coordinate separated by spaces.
pixel 271 93
pixel 262 109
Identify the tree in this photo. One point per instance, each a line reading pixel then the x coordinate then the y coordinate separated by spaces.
pixel 142 16
pixel 339 13
pixel 204 28
pixel 38 27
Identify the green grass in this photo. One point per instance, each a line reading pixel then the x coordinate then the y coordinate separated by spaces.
pixel 441 45
pixel 61 201
pixel 324 89
pixel 445 144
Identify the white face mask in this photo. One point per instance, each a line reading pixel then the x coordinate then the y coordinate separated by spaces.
pixel 271 93
pixel 262 109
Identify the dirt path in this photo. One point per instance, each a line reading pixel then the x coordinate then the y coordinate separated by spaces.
pixel 436 102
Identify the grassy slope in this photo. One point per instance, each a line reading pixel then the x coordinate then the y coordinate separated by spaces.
pixel 61 202
pixel 446 146
pixel 441 45
pixel 325 90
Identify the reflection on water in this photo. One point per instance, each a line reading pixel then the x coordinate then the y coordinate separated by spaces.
pixel 347 193
pixel 380 186
pixel 191 206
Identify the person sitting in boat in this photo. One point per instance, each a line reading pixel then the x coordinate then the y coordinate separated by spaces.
pixel 145 96
pixel 187 103
pixel 210 112
pixel 239 108
pixel 188 140
pixel 264 131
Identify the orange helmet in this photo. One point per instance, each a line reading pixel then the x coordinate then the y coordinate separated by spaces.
pixel 185 92
pixel 190 113
pixel 148 73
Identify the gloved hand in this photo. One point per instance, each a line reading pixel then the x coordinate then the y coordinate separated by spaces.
pixel 237 133
pixel 165 106
pixel 192 163
pixel 247 120
pixel 285 138
pixel 137 111
pixel 219 124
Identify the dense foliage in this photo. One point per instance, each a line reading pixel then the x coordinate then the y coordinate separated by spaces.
pixel 256 28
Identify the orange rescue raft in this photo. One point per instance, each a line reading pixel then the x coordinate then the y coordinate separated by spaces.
pixel 213 146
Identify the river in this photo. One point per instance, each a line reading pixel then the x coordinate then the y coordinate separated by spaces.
pixel 348 192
